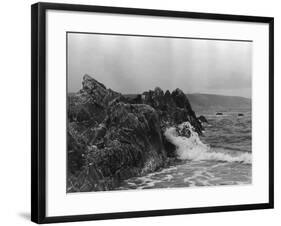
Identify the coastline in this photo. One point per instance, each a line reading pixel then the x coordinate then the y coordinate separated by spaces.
pixel 113 138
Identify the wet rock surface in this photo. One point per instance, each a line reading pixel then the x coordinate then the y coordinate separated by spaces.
pixel 173 108
pixel 112 137
pixel 203 119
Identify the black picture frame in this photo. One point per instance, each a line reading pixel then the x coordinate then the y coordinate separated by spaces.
pixel 38 110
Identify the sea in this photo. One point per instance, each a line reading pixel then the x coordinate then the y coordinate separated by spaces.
pixel 221 156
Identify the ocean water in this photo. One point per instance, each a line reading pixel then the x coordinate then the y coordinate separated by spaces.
pixel 222 156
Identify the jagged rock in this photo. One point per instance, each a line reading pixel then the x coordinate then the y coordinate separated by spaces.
pixel 112 137
pixel 112 143
pixel 180 99
pixel 202 119
pixel 90 84
pixel 172 108
pixel 167 93
pixel 90 102
pixel 158 91
pixel 132 146
pixel 99 133
pixel 76 150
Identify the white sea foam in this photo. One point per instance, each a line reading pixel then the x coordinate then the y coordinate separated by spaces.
pixel 193 148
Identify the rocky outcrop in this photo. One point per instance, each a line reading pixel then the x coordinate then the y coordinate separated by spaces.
pixel 114 141
pixel 203 119
pixel 90 102
pixel 173 108
pixel 127 144
pixel 112 138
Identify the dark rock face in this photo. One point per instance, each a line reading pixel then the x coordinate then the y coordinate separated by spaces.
pixel 173 108
pixel 113 142
pixel 129 143
pixel 202 118
pixel 90 102
pixel 112 138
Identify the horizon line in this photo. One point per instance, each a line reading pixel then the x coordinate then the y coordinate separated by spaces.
pixel 194 93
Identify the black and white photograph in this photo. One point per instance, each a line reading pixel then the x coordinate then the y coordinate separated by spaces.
pixel 145 112
pixel 152 112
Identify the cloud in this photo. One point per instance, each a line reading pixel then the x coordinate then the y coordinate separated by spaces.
pixel 131 64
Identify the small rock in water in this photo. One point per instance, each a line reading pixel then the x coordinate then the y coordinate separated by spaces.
pixel 219 113
pixel 240 114
pixel 202 119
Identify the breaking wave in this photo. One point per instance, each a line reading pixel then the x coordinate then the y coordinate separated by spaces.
pixel 193 148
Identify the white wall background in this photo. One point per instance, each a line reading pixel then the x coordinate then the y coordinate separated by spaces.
pixel 15 111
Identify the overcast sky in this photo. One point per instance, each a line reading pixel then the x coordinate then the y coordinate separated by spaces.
pixel 131 64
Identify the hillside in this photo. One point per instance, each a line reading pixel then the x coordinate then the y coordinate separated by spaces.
pixel 218 102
